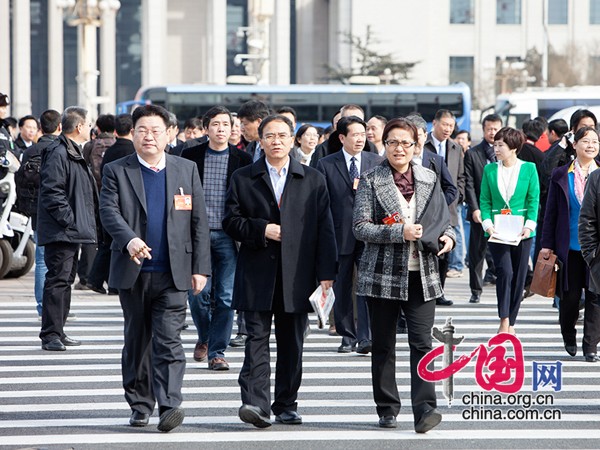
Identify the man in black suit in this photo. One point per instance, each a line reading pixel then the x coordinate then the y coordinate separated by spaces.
pixel 438 141
pixel 123 146
pixel 160 250
pixel 342 171
pixel 279 211
pixel 216 161
pixel 475 160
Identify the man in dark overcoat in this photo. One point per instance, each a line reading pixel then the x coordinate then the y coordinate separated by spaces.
pixel 279 211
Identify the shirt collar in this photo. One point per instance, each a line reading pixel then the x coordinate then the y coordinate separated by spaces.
pixel 160 166
pixel 348 156
pixel 436 142
pixel 284 169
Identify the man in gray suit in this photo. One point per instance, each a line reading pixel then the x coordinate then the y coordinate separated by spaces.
pixel 160 249
pixel 438 141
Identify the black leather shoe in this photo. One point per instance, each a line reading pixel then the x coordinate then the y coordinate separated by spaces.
pixel 364 347
pixel 139 419
pixel 54 346
pixel 489 279
pixel 97 289
pixel 571 349
pixel 428 421
pixel 170 419
pixel 70 342
pixel 475 298
pixel 387 422
pixel 345 348
pixel 289 418
pixel 443 301
pixel 255 416
pixel 591 357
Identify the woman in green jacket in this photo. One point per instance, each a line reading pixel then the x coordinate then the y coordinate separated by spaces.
pixel 510 186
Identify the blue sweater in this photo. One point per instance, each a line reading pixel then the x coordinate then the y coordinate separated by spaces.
pixel 156 228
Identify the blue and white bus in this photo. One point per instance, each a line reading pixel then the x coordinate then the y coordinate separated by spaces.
pixel 315 104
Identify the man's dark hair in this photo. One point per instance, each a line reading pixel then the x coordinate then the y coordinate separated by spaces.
pixel 11 122
pixel 150 110
pixel 214 112
pixel 72 117
pixel 275 118
pixel 24 119
pixel 491 118
pixel 253 110
pixel 559 126
pixel 533 129
pixel 49 121
pixel 106 123
pixel 543 121
pixel 464 132
pixel 194 122
pixel 580 114
pixel 441 113
pixel 123 124
pixel 288 110
pixel 345 108
pixel 345 122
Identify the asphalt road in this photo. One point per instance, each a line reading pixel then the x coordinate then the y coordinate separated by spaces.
pixel 74 399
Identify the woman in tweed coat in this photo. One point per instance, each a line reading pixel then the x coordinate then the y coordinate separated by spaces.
pixel 398 270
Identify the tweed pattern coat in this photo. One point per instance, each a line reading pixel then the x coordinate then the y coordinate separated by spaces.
pixel 383 267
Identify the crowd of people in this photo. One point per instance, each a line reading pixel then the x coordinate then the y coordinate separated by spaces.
pixel 249 211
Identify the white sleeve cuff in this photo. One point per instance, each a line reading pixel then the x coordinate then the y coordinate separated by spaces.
pixel 530 224
pixel 486 224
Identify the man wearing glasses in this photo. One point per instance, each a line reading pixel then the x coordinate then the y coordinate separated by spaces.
pixel 278 210
pixel 66 220
pixel 152 204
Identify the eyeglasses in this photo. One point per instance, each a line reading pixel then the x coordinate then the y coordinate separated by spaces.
pixel 588 142
pixel 155 132
pixel 272 136
pixel 393 144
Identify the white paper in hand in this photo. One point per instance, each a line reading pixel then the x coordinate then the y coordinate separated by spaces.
pixel 508 229
pixel 322 304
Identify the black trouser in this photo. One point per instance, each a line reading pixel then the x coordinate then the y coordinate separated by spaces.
pixel 255 376
pixel 101 265
pixel 384 316
pixel 61 261
pixel 86 259
pixel 569 306
pixel 477 254
pixel 351 330
pixel 512 263
pixel 153 359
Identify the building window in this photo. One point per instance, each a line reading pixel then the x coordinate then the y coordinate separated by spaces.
pixel 237 20
pixel 461 69
pixel 508 12
pixel 462 11
pixel 558 12
pixel 594 12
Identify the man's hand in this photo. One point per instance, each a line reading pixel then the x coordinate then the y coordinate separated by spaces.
pixel 477 216
pixel 326 285
pixel 198 283
pixel 273 232
pixel 413 232
pixel 448 244
pixel 138 250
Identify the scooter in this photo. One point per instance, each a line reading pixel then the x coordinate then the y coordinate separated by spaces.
pixel 17 250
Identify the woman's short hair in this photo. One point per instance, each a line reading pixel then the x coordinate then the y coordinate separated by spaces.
pixel 303 129
pixel 511 137
pixel 582 132
pixel 401 123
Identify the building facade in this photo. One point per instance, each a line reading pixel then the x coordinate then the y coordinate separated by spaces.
pixel 50 58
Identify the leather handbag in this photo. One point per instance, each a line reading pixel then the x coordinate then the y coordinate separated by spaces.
pixel 544 276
